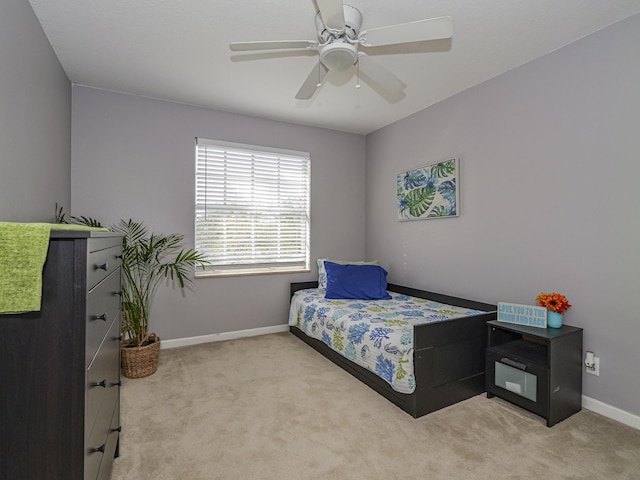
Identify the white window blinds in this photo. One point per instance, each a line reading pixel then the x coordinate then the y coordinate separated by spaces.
pixel 252 208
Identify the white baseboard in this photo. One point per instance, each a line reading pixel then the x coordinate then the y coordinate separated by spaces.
pixel 587 402
pixel 611 412
pixel 219 337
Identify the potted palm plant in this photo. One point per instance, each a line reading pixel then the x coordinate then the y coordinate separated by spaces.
pixel 147 260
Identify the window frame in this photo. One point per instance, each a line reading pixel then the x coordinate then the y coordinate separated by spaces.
pixel 258 154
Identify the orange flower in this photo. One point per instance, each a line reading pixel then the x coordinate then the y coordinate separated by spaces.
pixel 556 302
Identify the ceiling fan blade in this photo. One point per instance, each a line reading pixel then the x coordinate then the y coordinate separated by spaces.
pixel 421 30
pixel 275 45
pixel 312 82
pixel 386 80
pixel 332 13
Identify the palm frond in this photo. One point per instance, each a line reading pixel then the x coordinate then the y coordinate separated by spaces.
pixel 60 215
pixel 88 221
pixel 61 218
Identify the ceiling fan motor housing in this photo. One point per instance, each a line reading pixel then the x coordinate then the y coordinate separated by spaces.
pixel 352 22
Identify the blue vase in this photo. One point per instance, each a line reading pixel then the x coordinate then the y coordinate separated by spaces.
pixel 554 319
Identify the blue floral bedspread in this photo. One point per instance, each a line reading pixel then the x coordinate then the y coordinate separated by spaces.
pixel 375 334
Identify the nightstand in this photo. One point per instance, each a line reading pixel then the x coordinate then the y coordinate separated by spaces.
pixel 538 369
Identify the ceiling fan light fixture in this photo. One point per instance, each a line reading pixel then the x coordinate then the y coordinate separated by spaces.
pixel 339 56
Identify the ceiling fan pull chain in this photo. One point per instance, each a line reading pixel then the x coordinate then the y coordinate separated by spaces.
pixel 358 74
pixel 319 84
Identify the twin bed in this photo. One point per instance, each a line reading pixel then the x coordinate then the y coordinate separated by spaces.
pixel 421 350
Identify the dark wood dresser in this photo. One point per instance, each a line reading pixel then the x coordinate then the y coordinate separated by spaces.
pixel 60 367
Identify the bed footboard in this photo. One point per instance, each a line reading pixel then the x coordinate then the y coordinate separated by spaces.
pixel 449 362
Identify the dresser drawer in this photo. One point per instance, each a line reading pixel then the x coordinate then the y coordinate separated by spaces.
pixel 101 445
pixel 103 305
pixel 103 379
pixel 103 262
pixel 110 446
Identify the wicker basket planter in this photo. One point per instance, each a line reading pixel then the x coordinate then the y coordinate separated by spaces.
pixel 138 362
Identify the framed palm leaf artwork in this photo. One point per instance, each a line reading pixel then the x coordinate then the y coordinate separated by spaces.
pixel 431 191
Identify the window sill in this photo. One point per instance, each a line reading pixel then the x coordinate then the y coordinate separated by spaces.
pixel 247 272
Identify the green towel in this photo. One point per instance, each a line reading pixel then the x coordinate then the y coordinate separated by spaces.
pixel 23 251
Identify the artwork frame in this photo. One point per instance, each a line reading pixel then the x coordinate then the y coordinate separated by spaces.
pixel 428 192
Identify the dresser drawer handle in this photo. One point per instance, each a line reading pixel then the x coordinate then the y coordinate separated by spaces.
pixel 102 317
pixel 104 266
pixel 119 429
pixel 102 383
pixel 117 384
pixel 99 449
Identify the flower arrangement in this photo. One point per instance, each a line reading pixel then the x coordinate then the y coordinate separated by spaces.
pixel 556 302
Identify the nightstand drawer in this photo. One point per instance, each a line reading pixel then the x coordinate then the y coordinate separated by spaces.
pixel 517 371
pixel 526 389
pixel 103 305
pixel 515 380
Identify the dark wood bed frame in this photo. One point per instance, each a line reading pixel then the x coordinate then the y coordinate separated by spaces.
pixel 448 357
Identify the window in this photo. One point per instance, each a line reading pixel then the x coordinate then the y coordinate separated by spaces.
pixel 252 208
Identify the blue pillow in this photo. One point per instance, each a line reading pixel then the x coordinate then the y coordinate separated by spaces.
pixel 360 282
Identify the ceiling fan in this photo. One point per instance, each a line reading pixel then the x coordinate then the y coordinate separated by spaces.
pixel 339 36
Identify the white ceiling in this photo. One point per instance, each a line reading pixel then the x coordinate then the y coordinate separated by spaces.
pixel 178 50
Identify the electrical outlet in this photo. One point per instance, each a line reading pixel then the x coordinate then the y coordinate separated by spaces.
pixel 596 367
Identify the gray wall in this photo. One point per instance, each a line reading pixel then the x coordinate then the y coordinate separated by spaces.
pixel 550 161
pixel 35 119
pixel 133 157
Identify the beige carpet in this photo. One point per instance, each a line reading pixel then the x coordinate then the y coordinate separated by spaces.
pixel 270 407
